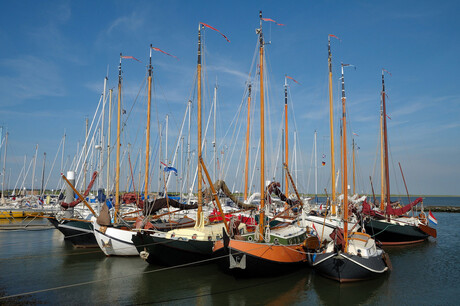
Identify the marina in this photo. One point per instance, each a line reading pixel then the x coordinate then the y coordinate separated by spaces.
pixel 42 262
pixel 207 163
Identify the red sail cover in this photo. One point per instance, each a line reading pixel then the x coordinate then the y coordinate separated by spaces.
pixel 401 211
pixel 367 210
pixel 77 201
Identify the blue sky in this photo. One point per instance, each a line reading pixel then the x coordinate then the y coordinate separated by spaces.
pixel 55 55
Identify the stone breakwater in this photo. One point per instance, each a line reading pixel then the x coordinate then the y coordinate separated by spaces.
pixel 450 209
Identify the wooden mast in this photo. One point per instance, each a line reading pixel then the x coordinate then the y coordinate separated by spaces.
pixel 354 180
pixel 382 163
pixel 262 131
pixel 147 140
pixel 200 174
pixel 331 124
pixel 344 162
pixel 117 171
pixel 109 133
pixel 385 141
pixel 246 161
pixel 286 137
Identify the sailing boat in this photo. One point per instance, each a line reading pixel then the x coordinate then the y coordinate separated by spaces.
pixel 325 225
pixel 186 245
pixel 391 226
pixel 116 240
pixel 79 231
pixel 355 256
pixel 265 251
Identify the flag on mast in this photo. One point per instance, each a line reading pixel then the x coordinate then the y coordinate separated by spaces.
pixel 432 219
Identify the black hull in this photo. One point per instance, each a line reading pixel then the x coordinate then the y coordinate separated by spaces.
pixel 173 252
pixel 254 265
pixel 348 268
pixel 79 233
pixel 393 234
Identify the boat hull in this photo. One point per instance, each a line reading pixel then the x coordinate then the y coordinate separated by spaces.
pixel 172 252
pixel 345 267
pixel 394 234
pixel 79 233
pixel 250 259
pixel 115 241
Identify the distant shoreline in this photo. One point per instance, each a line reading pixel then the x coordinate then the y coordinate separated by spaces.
pixel 399 196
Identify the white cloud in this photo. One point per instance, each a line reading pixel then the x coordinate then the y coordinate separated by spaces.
pixel 29 77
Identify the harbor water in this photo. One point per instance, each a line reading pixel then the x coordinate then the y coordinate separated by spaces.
pixel 39 267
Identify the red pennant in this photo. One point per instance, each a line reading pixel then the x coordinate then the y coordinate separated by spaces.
pixel 130 57
pixel 158 49
pixel 331 35
pixel 389 117
pixel 271 20
pixel 292 79
pixel 386 71
pixel 212 28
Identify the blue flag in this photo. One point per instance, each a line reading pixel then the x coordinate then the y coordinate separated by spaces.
pixel 168 169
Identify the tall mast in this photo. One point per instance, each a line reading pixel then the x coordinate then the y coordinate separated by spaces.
pixel 108 141
pixel 295 157
pixel 85 150
pixel 331 125
pixel 354 180
pixel 4 166
pixel 286 137
pixel 166 139
pixel 188 145
pixel 33 172
pixel 344 157
pixel 117 171
pixel 43 174
pixel 147 137
pixel 262 130
pixel 382 162
pixel 246 160
pixel 200 174
pixel 214 141
pixel 101 158
pixel 385 140
pixel 159 156
pixel 62 153
pixel 316 172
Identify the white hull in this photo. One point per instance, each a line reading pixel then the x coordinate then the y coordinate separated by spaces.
pixel 114 241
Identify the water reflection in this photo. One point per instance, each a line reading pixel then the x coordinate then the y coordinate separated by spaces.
pixel 331 292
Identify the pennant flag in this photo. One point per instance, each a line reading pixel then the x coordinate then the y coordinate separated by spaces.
pixel 271 20
pixel 355 134
pixel 170 169
pixel 292 79
pixel 389 117
pixel 323 163
pixel 158 49
pixel 432 219
pixel 324 155
pixel 383 69
pixel 330 35
pixel 208 26
pixel 163 164
pixel 130 57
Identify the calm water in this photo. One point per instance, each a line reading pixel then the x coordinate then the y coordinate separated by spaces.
pixel 423 274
